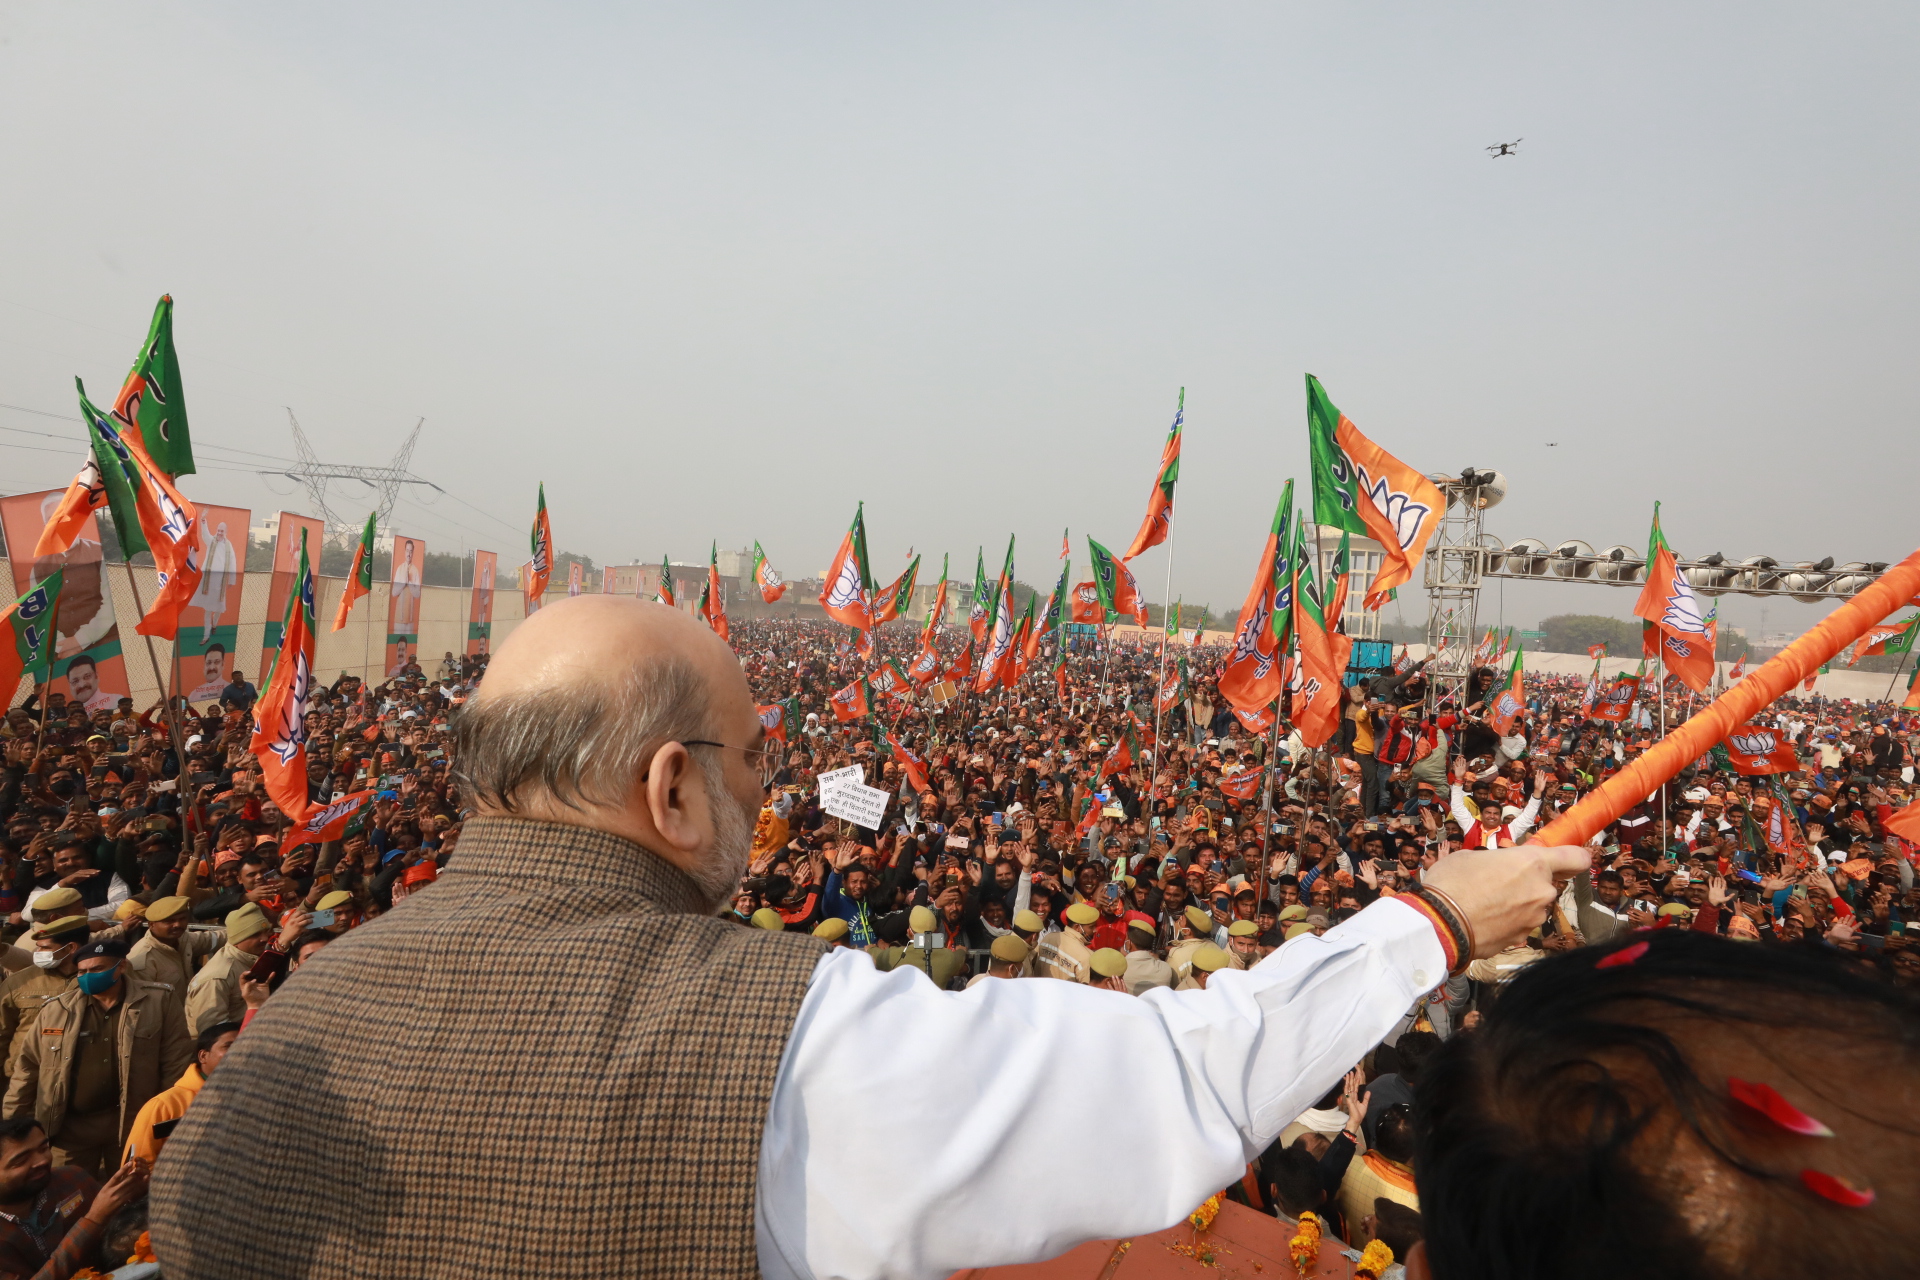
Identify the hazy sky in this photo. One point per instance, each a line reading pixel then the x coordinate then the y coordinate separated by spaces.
pixel 719 270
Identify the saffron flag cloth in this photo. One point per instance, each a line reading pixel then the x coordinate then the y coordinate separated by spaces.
pixel 887 681
pixel 1685 639
pixel 1405 660
pixel 151 406
pixel 1323 661
pixel 895 599
pixel 1338 576
pixel 910 764
pixel 850 703
pixel 980 614
pixel 1242 786
pixel 1258 720
pixel 998 656
pixel 665 594
pixel 337 821
pixel 1904 822
pixel 149 514
pixel 1121 757
pixel 1361 488
pixel 1884 637
pixel 780 719
pixel 772 585
pixel 925 665
pixel 1086 603
pixel 26 642
pixel 1027 638
pixel 1597 650
pixel 962 667
pixel 1592 695
pixel 1509 702
pixel 1758 749
pixel 1066 547
pixel 1250 674
pixel 1615 703
pixel 280 714
pixel 939 609
pixel 1119 593
pixel 849 589
pixel 1158 522
pixel 713 597
pixel 1173 686
pixel 542 561
pixel 359 574
pixel 86 493
pixel 1739 668
pixel 1913 690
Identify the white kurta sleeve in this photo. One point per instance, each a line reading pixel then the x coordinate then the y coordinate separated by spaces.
pixel 914 1132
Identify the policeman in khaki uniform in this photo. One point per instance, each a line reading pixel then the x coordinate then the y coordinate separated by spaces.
pixel 1207 961
pixel 1066 954
pixel 1199 932
pixel 169 953
pixel 942 964
pixel 49 973
pixel 1109 970
pixel 1145 970
pixel 99 1050
pixel 1028 927
pixel 834 930
pixel 214 993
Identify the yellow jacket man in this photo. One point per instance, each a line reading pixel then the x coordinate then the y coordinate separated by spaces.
pixel 98 1052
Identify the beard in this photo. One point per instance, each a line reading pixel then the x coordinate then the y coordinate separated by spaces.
pixel 717 873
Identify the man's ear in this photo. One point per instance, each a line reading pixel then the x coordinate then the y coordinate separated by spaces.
pixel 676 799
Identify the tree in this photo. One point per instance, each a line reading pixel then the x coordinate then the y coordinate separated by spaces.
pixel 1578 632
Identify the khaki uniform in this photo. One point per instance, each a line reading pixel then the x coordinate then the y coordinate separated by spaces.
pixel 1145 971
pixel 20 999
pixel 214 993
pixel 1180 959
pixel 85 1072
pixel 152 960
pixel 1065 955
pixel 943 965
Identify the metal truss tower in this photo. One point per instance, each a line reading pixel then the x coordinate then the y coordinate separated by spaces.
pixel 385 482
pixel 1454 563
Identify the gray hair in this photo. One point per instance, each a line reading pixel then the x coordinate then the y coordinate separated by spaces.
pixel 579 745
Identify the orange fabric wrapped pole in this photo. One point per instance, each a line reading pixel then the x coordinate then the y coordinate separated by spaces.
pixel 1735 707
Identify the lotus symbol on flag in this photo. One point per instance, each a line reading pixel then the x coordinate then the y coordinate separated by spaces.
pixel 1309 687
pixel 770 717
pixel 290 734
pixel 1619 693
pixel 320 820
pixel 1754 744
pixel 1507 704
pixel 1683 610
pixel 1088 593
pixel 1402 512
pixel 846 587
pixel 1247 643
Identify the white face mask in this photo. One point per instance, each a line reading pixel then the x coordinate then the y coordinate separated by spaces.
pixel 47 959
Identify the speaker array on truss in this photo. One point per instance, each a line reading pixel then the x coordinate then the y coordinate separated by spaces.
pixel 1715 575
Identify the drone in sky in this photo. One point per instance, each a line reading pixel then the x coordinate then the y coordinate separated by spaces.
pixel 1505 148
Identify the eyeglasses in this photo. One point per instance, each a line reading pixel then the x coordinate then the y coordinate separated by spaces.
pixel 768 763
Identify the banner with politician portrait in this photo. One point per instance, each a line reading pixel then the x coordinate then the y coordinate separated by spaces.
pixel 87 665
pixel 286 564
pixel 203 650
pixel 480 609
pixel 403 603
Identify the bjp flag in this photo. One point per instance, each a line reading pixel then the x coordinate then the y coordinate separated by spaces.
pixel 1361 488
pixel 1758 749
pixel 713 599
pixel 1158 522
pixel 889 603
pixel 1250 676
pixel 1508 703
pixel 850 703
pixel 1323 662
pixel 850 582
pixel 1685 640
pixel 1119 592
pixel 1615 703
pixel 279 739
pixel 772 585
pixel 541 566
pixel 939 608
pixel 1086 603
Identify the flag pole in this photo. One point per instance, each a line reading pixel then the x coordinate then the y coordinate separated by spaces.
pixel 1166 603
pixel 173 715
pixel 53 649
pixel 1897 669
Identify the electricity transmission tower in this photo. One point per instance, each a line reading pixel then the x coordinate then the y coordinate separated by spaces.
pixel 384 482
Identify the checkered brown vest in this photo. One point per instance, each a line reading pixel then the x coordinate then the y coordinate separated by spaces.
pixel 542 1065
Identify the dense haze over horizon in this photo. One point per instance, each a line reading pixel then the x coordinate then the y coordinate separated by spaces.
pixel 718 271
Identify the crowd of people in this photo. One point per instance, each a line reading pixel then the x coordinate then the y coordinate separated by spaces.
pixel 1080 827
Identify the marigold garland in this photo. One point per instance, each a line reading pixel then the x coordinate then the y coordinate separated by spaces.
pixel 1374 1259
pixel 1304 1248
pixel 1209 1209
